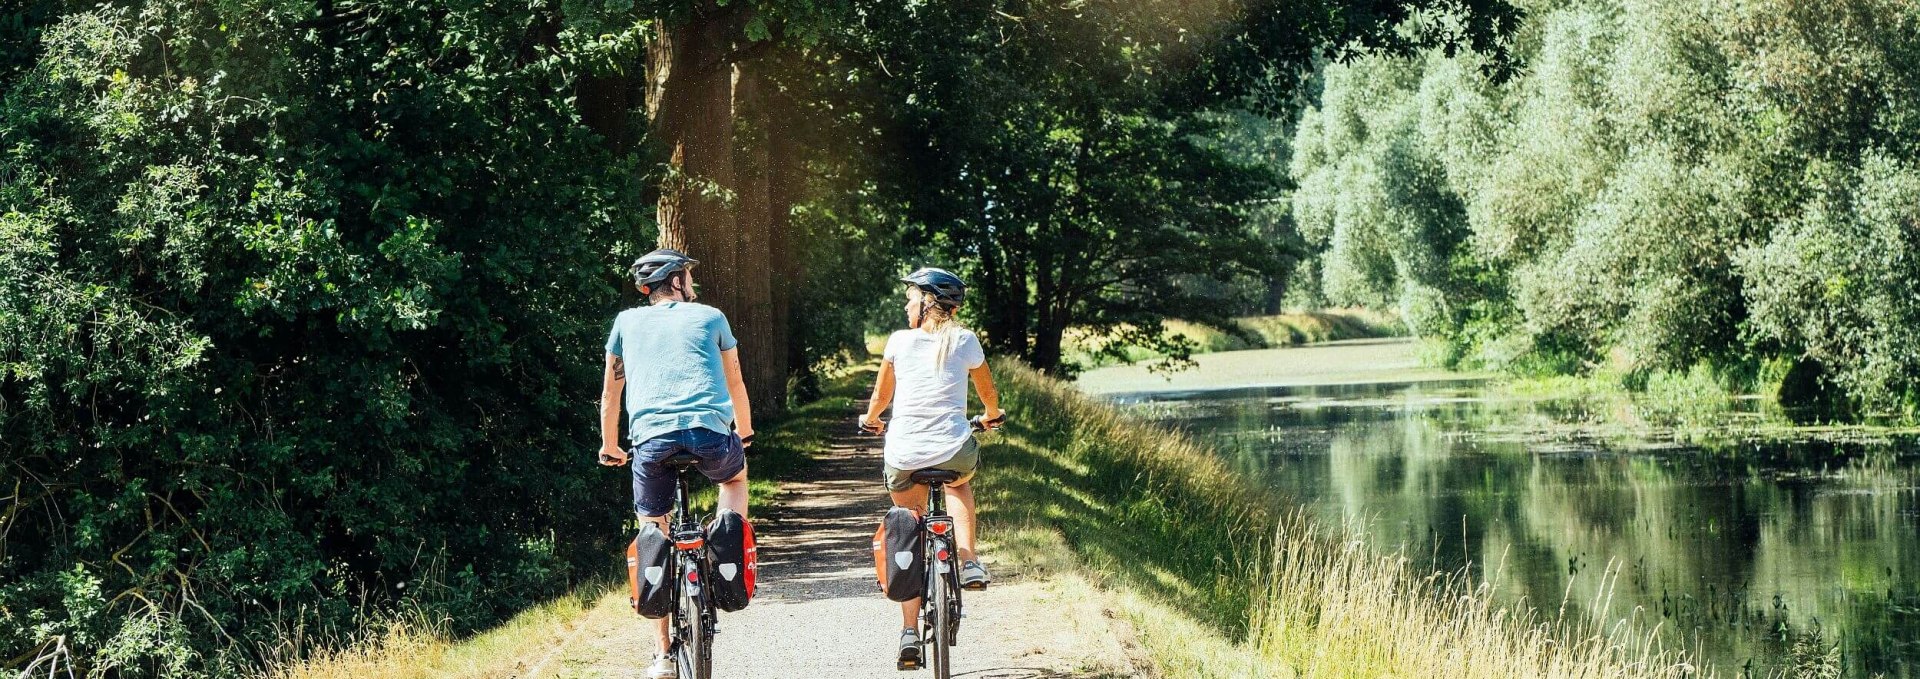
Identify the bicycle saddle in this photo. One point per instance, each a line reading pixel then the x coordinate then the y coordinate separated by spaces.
pixel 680 461
pixel 940 476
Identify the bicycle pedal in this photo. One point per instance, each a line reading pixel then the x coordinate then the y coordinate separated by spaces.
pixel 911 665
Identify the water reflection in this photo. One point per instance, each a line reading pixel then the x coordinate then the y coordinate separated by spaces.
pixel 1740 550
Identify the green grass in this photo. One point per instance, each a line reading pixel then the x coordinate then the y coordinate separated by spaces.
pixel 1219 579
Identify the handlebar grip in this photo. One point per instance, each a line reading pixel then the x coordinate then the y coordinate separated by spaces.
pixel 980 423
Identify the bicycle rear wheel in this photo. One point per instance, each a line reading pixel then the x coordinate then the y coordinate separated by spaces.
pixel 696 643
pixel 940 641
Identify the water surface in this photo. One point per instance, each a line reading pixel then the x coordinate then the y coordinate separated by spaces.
pixel 1741 549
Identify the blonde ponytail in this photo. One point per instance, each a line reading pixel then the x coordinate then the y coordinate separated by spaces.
pixel 940 322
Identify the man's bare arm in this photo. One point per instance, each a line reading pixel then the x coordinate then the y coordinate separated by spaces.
pixel 612 386
pixel 737 389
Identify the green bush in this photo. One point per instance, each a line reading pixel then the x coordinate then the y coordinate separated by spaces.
pixel 300 314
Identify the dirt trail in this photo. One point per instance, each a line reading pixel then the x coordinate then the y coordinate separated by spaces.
pixel 819 614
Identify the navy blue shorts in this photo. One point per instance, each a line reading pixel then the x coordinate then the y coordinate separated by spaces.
pixel 721 459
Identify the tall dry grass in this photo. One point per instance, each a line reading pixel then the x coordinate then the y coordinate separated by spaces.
pixel 1220 580
pixel 417 646
pixel 1331 606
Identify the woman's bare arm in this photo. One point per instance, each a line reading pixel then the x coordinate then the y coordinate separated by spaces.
pixel 882 394
pixel 989 397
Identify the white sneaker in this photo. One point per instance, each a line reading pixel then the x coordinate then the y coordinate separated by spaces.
pixel 663 668
pixel 974 576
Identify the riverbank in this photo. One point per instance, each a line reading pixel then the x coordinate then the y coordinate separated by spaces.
pixel 1220 581
pixel 1346 362
pixel 1291 329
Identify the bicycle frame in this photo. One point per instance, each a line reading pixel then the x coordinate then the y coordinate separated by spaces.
pixel 943 573
pixel 690 567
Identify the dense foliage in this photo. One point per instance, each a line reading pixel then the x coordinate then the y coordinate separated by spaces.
pixel 1089 163
pixel 282 332
pixel 1659 186
pixel 301 304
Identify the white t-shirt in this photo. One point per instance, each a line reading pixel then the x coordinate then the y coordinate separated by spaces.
pixel 929 422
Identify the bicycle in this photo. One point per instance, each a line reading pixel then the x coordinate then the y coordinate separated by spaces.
pixel 694 620
pixel 940 608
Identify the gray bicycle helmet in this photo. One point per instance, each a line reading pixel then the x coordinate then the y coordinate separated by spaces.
pixel 656 266
pixel 946 288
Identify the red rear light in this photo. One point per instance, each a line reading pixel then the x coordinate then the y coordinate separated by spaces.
pixel 941 554
pixel 693 576
pixel 940 527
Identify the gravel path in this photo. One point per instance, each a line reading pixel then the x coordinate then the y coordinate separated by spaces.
pixel 819 614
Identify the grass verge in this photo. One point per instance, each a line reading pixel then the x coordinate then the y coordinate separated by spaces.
pixel 1219 581
pixel 414 645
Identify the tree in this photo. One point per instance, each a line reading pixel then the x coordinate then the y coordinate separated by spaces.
pixel 1662 186
pixel 301 312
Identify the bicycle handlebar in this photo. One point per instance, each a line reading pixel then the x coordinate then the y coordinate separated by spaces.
pixel 981 423
pixel 977 423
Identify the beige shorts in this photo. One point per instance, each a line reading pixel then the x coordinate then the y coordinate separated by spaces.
pixel 967 461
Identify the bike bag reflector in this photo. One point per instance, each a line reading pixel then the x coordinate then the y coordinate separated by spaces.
pixel 897 559
pixel 735 561
pixel 650 579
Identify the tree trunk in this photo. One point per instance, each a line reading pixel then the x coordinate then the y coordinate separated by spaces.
pixel 763 363
pixel 691 88
pixel 691 102
pixel 1005 303
pixel 1046 343
pixel 783 191
pixel 1276 298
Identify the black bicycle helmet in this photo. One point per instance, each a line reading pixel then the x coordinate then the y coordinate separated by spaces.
pixel 656 266
pixel 946 288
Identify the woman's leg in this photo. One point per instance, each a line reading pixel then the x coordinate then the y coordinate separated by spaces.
pixel 962 497
pixel 914 498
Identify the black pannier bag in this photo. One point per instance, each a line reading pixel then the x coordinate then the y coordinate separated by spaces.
pixel 650 576
pixel 897 555
pixel 730 546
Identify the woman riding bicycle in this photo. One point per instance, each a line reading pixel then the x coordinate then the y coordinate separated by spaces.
pixel 923 376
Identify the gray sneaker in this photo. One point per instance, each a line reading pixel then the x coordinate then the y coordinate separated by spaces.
pixel 909 649
pixel 663 668
pixel 974 576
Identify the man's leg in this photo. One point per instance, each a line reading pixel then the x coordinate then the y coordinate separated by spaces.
pixel 652 500
pixel 914 498
pixel 962 497
pixel 733 493
pixel 662 637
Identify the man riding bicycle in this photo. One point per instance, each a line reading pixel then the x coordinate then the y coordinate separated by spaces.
pixel 923 376
pixel 678 366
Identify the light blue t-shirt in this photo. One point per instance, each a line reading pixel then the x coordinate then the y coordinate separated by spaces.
pixel 674 378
